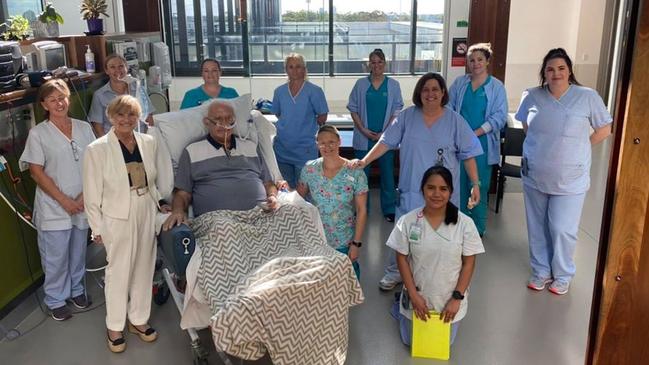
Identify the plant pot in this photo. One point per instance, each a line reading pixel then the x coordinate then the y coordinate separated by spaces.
pixel 52 29
pixel 95 26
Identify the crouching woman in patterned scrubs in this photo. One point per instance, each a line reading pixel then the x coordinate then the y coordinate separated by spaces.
pixel 436 247
pixel 121 201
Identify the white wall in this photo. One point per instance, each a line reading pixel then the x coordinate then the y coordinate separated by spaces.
pixel 535 27
pixel 458 10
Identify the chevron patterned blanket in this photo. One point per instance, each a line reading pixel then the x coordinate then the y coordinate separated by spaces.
pixel 273 284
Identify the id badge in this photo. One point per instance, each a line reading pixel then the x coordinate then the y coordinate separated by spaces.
pixel 415 233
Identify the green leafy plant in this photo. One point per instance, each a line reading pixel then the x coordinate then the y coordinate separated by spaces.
pixel 17 29
pixel 49 15
pixel 92 9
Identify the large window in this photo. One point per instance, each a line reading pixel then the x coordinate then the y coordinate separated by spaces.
pixel 335 36
pixel 27 8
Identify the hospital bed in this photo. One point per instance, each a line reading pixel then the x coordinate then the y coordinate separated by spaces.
pixel 174 131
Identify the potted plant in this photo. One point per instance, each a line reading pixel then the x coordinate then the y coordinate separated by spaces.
pixel 48 22
pixel 17 30
pixel 90 11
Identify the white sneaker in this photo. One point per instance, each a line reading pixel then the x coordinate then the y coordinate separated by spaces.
pixel 387 283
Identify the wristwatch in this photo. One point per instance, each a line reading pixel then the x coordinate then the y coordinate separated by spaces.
pixel 457 295
pixel 356 243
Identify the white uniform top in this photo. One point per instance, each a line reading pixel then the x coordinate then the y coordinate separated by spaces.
pixel 557 150
pixel 436 257
pixel 61 159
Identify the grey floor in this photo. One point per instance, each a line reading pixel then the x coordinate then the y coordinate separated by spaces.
pixel 506 323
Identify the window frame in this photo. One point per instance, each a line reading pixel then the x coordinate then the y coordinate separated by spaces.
pixel 185 67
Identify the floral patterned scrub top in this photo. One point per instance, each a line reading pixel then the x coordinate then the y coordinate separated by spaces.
pixel 335 199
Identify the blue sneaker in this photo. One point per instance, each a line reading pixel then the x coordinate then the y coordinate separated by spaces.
pixel 559 287
pixel 538 284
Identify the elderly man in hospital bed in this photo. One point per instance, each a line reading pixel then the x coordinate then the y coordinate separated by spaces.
pixel 262 266
pixel 220 172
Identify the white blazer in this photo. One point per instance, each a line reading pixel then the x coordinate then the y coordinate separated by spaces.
pixel 106 189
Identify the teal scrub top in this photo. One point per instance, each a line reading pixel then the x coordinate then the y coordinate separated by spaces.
pixel 197 96
pixel 474 109
pixel 377 103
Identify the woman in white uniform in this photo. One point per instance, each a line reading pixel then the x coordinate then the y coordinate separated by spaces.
pixel 557 117
pixel 121 200
pixel 436 247
pixel 54 153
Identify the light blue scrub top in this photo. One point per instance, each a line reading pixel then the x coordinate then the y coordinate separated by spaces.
pixel 418 150
pixel 495 115
pixel 196 96
pixel 377 102
pixel 296 124
pixel 358 104
pixel 557 149
pixel 105 94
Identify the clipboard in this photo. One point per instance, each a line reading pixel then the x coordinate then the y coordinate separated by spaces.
pixel 431 339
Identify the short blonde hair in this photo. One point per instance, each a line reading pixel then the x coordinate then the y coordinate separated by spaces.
pixel 49 88
pixel 485 48
pixel 299 58
pixel 123 104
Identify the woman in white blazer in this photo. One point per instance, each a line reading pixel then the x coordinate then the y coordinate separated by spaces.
pixel 121 200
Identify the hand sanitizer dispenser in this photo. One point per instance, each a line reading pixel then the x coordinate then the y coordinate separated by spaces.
pixel 90 60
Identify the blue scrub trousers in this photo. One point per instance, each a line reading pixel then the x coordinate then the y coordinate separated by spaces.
pixel 290 173
pixel 388 189
pixel 552 226
pixel 63 258
pixel 480 211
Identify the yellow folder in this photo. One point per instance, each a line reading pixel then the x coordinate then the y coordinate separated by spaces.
pixel 431 339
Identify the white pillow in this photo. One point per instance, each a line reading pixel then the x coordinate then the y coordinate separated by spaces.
pixel 241 106
pixel 179 129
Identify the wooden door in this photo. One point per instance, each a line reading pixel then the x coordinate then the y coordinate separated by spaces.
pixel 489 22
pixel 619 330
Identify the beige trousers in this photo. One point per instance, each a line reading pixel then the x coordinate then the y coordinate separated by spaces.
pixel 131 253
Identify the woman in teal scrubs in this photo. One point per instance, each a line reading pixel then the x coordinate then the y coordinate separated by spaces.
pixel 482 101
pixel 211 72
pixel 374 102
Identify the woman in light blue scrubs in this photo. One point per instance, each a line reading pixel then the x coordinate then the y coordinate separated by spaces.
pixel 301 108
pixel 374 102
pixel 482 101
pixel 557 117
pixel 426 134
pixel 211 88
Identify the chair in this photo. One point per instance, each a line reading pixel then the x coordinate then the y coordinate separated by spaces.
pixel 511 146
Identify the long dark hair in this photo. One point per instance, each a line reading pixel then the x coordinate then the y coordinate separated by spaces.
pixel 451 209
pixel 558 53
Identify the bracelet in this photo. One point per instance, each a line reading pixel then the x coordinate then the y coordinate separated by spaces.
pixel 476 183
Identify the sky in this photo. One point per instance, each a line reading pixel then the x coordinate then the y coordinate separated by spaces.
pixel 345 6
